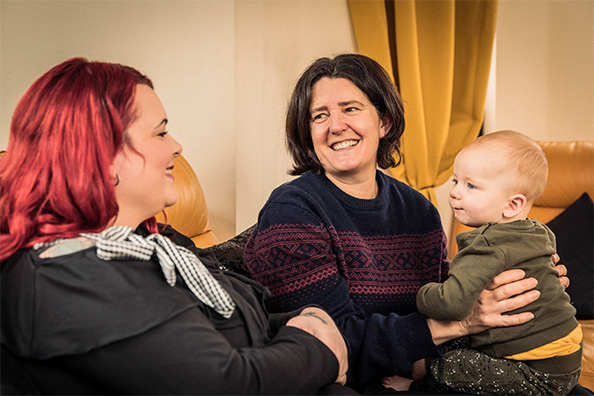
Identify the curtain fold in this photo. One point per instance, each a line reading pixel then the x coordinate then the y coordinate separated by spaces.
pixel 439 54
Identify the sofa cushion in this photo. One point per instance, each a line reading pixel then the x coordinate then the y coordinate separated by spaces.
pixel 230 252
pixel 574 231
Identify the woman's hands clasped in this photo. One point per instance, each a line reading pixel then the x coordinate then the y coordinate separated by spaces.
pixel 318 323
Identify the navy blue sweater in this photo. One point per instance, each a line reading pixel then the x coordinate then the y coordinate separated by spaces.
pixel 361 260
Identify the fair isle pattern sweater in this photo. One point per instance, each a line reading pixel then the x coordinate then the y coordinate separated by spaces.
pixel 361 260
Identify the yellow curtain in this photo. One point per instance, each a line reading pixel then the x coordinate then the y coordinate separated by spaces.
pixel 439 54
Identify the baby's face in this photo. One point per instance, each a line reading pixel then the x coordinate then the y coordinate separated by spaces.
pixel 481 187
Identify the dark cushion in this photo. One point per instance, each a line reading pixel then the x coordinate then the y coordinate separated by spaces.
pixel 230 252
pixel 573 229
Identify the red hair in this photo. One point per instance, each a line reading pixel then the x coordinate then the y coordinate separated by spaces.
pixel 55 179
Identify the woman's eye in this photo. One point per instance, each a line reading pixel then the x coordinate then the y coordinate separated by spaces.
pixel 350 109
pixel 454 181
pixel 162 134
pixel 471 186
pixel 318 117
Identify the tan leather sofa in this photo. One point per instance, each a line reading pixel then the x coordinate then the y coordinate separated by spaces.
pixel 571 173
pixel 190 214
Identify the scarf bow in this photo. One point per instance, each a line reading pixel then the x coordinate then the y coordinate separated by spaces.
pixel 120 243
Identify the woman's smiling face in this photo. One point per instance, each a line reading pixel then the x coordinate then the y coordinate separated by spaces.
pixel 144 164
pixel 345 130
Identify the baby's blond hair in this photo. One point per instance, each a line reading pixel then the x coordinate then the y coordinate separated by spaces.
pixel 526 160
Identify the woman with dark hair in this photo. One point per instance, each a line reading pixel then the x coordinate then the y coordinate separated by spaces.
pixel 372 80
pixel 94 299
pixel 357 242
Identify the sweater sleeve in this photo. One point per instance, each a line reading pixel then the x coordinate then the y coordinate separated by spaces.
pixel 471 270
pixel 292 252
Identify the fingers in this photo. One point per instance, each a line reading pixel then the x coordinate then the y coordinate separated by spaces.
pixel 517 319
pixel 506 277
pixel 506 291
pixel 520 301
pixel 562 270
pixel 564 281
pixel 499 319
pixel 500 298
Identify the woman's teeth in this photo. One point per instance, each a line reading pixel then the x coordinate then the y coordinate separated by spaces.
pixel 344 145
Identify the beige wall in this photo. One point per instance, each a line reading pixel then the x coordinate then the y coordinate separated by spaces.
pixel 224 70
pixel 545 69
pixel 542 78
pixel 275 41
pixel 186 47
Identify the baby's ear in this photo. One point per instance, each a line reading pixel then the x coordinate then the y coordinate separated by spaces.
pixel 515 205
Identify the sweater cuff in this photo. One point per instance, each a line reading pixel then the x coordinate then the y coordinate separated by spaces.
pixel 421 341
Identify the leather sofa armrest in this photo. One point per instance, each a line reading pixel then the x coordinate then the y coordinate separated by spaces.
pixel 189 215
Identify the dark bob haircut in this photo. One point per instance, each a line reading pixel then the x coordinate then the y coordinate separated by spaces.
pixel 372 80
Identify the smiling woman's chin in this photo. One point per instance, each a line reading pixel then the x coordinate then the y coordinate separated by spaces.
pixel 171 201
pixel 168 203
pixel 167 206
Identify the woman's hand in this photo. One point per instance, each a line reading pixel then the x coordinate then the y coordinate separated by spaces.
pixel 318 323
pixel 562 270
pixel 506 292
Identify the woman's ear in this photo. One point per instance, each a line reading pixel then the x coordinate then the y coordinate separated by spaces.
pixel 385 125
pixel 515 205
pixel 114 174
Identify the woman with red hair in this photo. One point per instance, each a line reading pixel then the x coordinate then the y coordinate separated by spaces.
pixel 94 299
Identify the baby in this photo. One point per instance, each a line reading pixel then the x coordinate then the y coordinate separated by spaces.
pixel 496 178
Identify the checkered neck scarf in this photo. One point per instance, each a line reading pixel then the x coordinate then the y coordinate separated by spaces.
pixel 120 243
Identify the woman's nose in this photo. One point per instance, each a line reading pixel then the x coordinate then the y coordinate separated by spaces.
pixel 177 148
pixel 337 124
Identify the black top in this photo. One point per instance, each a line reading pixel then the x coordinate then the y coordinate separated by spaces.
pixel 82 325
